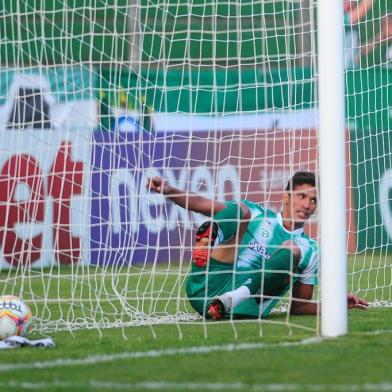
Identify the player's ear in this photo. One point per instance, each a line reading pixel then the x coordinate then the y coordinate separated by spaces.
pixel 286 198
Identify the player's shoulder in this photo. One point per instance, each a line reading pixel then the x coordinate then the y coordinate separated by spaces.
pixel 256 209
pixel 259 209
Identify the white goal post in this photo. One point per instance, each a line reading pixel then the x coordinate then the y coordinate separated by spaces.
pixel 332 163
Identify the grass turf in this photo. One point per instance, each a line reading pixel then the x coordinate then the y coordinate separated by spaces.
pixel 269 355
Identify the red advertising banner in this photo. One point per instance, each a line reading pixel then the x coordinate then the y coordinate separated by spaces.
pixel 43 201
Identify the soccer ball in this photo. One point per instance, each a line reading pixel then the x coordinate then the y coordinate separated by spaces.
pixel 15 317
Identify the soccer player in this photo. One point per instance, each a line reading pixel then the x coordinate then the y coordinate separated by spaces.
pixel 382 37
pixel 354 12
pixel 247 256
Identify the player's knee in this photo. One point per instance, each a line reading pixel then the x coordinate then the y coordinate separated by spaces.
pixel 294 248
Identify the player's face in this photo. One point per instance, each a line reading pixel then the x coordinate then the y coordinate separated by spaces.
pixel 300 204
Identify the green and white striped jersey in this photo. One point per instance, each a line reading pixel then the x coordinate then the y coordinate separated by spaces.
pixel 264 235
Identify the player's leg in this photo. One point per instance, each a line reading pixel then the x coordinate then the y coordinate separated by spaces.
pixel 212 276
pixel 277 270
pixel 207 282
pixel 272 281
pixel 234 218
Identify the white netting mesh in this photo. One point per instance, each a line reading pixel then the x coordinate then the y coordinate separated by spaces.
pixel 218 97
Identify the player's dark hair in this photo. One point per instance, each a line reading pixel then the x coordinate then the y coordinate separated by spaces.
pixel 300 178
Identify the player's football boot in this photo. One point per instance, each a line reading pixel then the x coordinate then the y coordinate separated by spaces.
pixel 205 239
pixel 220 306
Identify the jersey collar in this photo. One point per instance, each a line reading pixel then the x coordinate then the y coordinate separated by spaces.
pixel 280 221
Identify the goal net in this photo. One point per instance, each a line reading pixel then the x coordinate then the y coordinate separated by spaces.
pixel 219 98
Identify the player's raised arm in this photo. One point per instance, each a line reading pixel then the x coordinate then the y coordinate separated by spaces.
pixel 357 10
pixel 190 201
pixel 384 35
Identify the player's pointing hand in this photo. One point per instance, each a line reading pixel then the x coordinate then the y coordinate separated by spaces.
pixel 157 184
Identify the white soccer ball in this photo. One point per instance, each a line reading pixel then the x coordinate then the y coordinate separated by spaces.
pixel 15 317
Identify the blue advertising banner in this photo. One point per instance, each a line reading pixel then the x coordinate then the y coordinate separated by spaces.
pixel 131 225
pixel 128 223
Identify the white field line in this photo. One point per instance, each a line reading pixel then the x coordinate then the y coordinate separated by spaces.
pixel 194 386
pixel 375 332
pixel 94 359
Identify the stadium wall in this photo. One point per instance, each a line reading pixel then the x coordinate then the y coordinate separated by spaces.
pixel 76 192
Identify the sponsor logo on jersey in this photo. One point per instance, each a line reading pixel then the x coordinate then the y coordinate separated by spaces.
pixel 265 233
pixel 260 249
pixel 265 230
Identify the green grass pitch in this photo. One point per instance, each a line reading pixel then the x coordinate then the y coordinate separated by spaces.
pixel 272 356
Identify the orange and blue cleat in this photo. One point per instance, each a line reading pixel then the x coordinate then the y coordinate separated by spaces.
pixel 205 239
pixel 219 307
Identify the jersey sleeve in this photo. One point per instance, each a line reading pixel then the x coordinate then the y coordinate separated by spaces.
pixel 229 204
pixel 309 273
pixel 255 209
